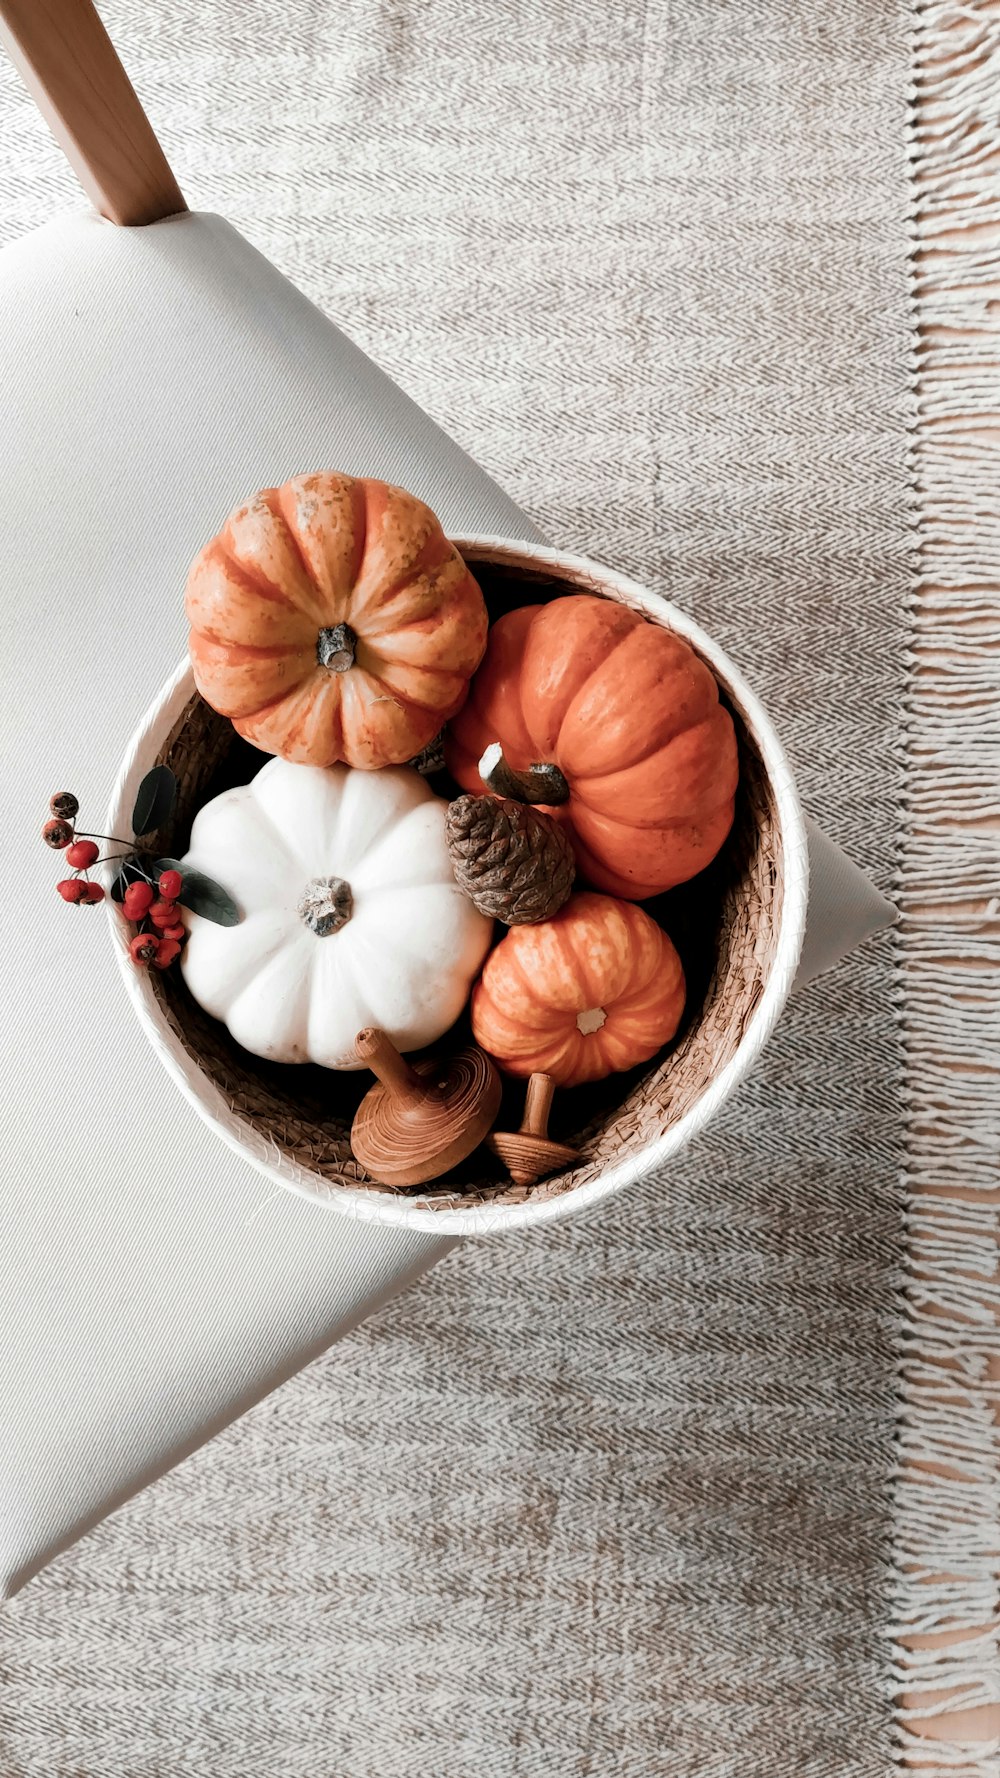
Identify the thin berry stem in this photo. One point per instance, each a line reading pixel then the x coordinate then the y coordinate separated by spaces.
pixel 132 860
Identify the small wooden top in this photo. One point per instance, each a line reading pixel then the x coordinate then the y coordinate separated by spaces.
pixel 529 1154
pixel 421 1118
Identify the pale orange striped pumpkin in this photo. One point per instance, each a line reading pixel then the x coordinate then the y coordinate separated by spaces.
pixel 332 620
pixel 595 990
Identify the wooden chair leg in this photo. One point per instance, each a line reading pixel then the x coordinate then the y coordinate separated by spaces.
pixel 68 63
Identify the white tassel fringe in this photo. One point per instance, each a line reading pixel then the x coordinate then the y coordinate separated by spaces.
pixel 947 1554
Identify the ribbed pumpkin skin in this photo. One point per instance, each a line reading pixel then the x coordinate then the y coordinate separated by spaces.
pixel 630 716
pixel 321 551
pixel 597 954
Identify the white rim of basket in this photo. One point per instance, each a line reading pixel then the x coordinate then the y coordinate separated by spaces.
pixel 401 1212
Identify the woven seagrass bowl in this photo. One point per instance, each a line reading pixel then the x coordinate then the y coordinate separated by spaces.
pixel 738 927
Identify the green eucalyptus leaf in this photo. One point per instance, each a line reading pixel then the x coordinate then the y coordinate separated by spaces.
pixel 201 894
pixel 154 800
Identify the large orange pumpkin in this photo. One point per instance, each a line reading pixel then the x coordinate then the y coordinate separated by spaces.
pixel 592 991
pixel 618 722
pixel 332 620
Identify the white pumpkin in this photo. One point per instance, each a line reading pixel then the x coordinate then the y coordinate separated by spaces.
pixel 351 914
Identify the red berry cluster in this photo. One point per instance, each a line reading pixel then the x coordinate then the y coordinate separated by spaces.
pixel 161 930
pixel 157 915
pixel 60 834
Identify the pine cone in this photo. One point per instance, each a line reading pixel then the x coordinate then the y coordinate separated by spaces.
pixel 514 863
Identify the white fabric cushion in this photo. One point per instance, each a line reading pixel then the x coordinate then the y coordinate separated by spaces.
pixel 152 1285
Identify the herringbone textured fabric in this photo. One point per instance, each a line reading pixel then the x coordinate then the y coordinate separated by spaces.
pixel 608 1502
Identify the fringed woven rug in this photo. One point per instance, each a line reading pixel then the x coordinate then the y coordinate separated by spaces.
pixel 693 1488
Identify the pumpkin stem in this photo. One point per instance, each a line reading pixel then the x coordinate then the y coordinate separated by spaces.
pixel 539 784
pixel 326 904
pixel 590 1021
pixel 335 648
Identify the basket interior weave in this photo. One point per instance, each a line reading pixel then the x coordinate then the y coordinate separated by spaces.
pixel 724 925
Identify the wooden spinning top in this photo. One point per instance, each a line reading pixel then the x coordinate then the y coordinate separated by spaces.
pixel 421 1118
pixel 528 1153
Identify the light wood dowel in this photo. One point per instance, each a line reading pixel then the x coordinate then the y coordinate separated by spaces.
pixel 380 1054
pixel 538 1104
pixel 68 64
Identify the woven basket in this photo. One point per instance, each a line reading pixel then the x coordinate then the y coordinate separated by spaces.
pixel 739 930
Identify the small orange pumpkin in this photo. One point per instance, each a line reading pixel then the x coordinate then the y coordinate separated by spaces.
pixel 618 722
pixel 592 991
pixel 332 620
